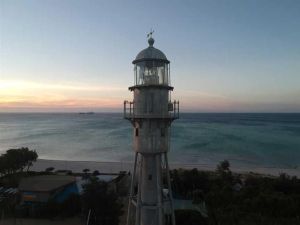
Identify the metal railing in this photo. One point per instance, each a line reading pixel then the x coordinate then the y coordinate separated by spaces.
pixel 130 112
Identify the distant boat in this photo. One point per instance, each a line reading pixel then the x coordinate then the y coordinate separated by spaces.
pixel 88 113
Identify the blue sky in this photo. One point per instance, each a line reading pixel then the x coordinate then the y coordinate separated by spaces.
pixel 226 56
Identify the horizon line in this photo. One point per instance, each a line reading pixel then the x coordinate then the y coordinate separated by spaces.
pixel 120 112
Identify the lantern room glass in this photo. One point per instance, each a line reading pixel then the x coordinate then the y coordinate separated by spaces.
pixel 151 73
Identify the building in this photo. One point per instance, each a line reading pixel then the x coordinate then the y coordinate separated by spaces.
pixel 151 113
pixel 40 189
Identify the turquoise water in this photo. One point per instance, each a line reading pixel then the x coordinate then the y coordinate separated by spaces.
pixel 244 139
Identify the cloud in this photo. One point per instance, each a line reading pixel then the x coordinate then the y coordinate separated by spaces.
pixel 24 94
pixel 18 95
pixel 26 85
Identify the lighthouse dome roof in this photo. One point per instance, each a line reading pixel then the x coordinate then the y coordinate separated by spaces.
pixel 150 53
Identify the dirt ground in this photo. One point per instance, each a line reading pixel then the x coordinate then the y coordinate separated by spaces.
pixel 20 221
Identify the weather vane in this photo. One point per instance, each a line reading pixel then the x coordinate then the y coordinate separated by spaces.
pixel 150 34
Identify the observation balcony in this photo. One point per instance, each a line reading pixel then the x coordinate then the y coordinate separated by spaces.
pixel 131 112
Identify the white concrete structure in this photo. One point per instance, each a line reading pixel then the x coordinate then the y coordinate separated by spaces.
pixel 151 113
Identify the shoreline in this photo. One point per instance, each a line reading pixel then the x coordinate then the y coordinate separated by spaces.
pixel 116 167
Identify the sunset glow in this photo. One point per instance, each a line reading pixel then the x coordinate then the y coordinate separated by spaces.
pixel 22 94
pixel 225 57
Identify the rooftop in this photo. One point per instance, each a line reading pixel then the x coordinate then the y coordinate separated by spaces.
pixel 150 53
pixel 45 183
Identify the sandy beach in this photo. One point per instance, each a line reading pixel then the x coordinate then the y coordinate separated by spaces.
pixel 116 167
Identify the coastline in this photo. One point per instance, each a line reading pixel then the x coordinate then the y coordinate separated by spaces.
pixel 116 167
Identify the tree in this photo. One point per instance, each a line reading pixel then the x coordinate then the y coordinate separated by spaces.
pixel 96 173
pixel 30 156
pixel 86 170
pixel 86 173
pixel 3 165
pixel 49 169
pixel 102 201
pixel 223 166
pixel 17 160
pixel 189 217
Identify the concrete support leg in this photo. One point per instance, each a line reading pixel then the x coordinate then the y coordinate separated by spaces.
pixel 131 189
pixel 170 189
pixel 139 200
pixel 159 190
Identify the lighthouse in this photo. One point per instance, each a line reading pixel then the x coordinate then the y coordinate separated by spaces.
pixel 151 113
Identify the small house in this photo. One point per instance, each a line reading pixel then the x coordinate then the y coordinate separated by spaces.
pixel 40 189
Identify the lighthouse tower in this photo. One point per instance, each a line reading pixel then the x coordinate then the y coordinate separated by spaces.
pixel 151 113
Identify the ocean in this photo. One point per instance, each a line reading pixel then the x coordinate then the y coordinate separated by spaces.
pixel 254 139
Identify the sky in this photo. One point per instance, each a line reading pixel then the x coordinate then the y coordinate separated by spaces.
pixel 76 55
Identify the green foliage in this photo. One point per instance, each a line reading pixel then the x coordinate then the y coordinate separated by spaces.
pixel 17 160
pixel 52 209
pixel 260 200
pixel 49 169
pixel 102 201
pixel 86 170
pixel 96 173
pixel 184 182
pixel 71 206
pixel 223 166
pixel 189 217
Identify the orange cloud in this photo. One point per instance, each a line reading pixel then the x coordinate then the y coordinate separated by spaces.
pixel 20 94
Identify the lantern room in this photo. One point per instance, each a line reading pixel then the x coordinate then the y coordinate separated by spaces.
pixel 151 67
